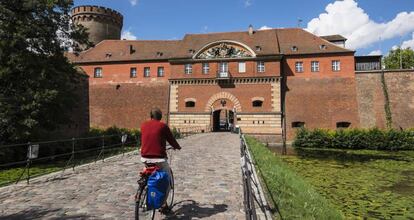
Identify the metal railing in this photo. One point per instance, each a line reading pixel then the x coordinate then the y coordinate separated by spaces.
pixel 223 75
pixel 60 152
pixel 253 192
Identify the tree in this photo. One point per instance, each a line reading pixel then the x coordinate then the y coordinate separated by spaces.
pixel 37 81
pixel 398 57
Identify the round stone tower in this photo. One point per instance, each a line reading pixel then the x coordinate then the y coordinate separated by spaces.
pixel 102 23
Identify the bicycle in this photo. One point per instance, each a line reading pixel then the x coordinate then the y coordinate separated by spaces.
pixel 141 207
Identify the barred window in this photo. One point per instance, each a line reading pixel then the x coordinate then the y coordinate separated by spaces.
pixel 188 68
pixel 336 65
pixel 206 68
pixel 299 67
pixel 261 66
pixel 133 72
pixel 97 72
pixel 160 72
pixel 315 66
pixel 147 72
pixel 224 67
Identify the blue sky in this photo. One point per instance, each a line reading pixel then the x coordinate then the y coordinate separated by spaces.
pixel 372 26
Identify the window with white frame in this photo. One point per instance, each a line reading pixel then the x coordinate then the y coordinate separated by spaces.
pixel 147 72
pixel 206 68
pixel 242 67
pixel 188 68
pixel 299 67
pixel 133 72
pixel 336 65
pixel 260 66
pixel 160 71
pixel 224 67
pixel 97 72
pixel 315 66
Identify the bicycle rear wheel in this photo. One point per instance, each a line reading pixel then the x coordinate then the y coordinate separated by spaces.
pixel 141 208
pixel 170 198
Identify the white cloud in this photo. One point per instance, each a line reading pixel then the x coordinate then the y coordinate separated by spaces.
pixel 346 18
pixel 408 43
pixel 265 27
pixel 133 2
pixel 128 35
pixel 376 52
pixel 395 47
pixel 247 3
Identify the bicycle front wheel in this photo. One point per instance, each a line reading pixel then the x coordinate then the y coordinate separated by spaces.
pixel 141 207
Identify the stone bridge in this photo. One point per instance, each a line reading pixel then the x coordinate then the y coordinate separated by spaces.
pixel 207 179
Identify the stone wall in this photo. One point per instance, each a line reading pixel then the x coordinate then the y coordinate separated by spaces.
pixel 371 99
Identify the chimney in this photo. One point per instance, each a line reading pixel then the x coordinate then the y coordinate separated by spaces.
pixel 251 30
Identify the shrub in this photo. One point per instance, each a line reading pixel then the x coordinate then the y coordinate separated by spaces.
pixel 373 139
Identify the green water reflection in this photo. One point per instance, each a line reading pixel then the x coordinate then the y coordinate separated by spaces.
pixel 361 183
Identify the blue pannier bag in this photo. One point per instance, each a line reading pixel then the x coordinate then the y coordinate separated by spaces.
pixel 158 184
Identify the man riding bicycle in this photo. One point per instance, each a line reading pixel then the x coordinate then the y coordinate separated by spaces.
pixel 154 135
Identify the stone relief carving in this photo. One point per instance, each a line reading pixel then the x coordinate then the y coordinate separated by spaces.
pixel 224 50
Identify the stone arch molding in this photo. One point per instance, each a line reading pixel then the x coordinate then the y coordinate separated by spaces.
pixel 223 95
pixel 224 49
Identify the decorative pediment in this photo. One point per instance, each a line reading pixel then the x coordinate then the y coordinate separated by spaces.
pixel 220 50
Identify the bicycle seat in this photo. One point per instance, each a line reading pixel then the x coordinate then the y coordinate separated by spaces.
pixel 149 169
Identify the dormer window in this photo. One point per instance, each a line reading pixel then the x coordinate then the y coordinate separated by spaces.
pixel 191 51
pixel 258 48
pixel 323 47
pixel 294 48
pixel 159 54
pixel 108 55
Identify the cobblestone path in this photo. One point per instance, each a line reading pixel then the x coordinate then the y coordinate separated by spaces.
pixel 207 179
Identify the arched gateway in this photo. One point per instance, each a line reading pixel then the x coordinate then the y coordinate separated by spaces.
pixel 226 83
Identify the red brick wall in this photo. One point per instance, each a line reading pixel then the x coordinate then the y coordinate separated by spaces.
pixel 120 73
pixel 128 106
pixel 325 66
pixel 243 92
pixel 272 68
pixel 321 102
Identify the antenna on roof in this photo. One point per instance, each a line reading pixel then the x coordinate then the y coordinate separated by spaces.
pixel 299 22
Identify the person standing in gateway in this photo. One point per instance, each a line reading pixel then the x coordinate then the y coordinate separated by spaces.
pixel 154 135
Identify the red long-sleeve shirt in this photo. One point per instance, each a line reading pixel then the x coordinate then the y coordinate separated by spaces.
pixel 154 135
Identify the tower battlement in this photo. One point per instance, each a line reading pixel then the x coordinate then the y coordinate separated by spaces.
pixel 102 23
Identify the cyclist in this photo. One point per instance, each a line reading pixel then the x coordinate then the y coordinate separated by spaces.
pixel 154 135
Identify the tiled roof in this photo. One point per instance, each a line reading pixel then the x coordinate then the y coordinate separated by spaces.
pixel 305 43
pixel 288 41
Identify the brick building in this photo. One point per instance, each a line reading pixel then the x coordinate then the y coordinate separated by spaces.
pixel 250 78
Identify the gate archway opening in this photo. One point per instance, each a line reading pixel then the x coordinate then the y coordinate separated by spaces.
pixel 223 120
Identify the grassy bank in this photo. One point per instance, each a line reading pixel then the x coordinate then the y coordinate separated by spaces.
pixel 294 197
